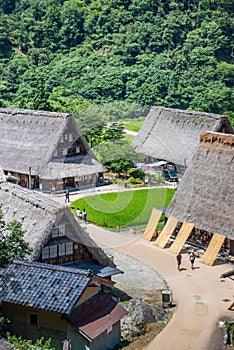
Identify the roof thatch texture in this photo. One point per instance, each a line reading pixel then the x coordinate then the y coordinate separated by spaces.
pixel 172 134
pixel 28 139
pixel 2 175
pixel 205 195
pixel 74 166
pixel 38 215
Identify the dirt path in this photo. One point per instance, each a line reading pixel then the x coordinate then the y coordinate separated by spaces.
pixel 201 298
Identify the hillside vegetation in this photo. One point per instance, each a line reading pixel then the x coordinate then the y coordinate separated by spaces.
pixel 66 56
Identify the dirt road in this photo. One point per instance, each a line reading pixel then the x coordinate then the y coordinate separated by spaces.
pixel 201 298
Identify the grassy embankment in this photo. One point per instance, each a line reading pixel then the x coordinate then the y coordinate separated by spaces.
pixel 124 209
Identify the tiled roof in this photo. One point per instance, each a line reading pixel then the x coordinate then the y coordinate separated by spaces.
pixel 98 270
pixel 96 315
pixel 42 286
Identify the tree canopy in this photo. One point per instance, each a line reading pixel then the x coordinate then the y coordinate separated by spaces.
pixel 12 244
pixel 67 55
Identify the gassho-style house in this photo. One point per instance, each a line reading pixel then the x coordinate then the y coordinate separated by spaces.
pixel 45 150
pixel 171 135
pixel 63 290
pixel 205 195
pixel 53 232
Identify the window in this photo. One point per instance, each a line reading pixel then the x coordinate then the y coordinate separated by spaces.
pixel 33 319
pixel 53 251
pixel 77 149
pixel 55 153
pixel 45 253
pixel 62 251
pixel 65 137
pixel 64 151
pixel 61 139
pixel 69 248
pixel 70 137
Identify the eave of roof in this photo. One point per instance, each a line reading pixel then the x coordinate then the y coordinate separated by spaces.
pixel 98 270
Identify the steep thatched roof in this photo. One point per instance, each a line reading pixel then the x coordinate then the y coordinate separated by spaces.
pixel 38 215
pixel 2 175
pixel 172 134
pixel 28 139
pixel 205 195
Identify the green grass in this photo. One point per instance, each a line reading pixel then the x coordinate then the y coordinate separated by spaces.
pixel 124 208
pixel 133 125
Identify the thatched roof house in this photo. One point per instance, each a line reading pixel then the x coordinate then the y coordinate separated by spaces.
pixel 51 229
pixel 205 195
pixel 172 134
pixel 45 149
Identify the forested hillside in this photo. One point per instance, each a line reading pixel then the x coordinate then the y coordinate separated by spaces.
pixel 67 55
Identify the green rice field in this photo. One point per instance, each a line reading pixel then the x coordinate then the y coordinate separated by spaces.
pixel 125 208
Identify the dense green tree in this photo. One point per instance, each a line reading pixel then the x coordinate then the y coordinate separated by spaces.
pixel 89 52
pixel 12 244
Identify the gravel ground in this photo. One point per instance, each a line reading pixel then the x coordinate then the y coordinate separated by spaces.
pixel 138 278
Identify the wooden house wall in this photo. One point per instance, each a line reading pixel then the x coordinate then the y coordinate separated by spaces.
pixel 70 143
pixel 80 252
pixel 50 324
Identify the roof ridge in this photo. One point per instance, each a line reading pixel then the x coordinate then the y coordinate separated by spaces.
pixel 187 111
pixel 30 193
pixel 18 111
pixel 52 267
pixel 209 136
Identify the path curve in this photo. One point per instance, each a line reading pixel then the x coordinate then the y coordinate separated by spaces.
pixel 201 297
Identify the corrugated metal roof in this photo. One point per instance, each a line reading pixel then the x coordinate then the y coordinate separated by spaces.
pixel 96 315
pixel 98 270
pixel 42 286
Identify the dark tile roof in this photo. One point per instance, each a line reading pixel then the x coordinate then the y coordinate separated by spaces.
pixel 42 286
pixel 98 270
pixel 96 315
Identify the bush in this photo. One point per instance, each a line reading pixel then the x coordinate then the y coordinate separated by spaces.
pixel 134 180
pixel 22 344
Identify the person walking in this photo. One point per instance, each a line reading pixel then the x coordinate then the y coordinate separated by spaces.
pixel 84 216
pixel 178 259
pixel 192 259
pixel 67 197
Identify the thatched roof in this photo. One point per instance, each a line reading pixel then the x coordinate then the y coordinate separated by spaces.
pixel 38 215
pixel 205 195
pixel 172 134
pixel 2 175
pixel 74 166
pixel 28 139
